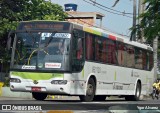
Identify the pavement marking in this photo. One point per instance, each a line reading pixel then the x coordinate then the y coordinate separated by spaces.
pixel 104 102
pixel 59 111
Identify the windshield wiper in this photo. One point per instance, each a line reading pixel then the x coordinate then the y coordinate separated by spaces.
pixel 50 38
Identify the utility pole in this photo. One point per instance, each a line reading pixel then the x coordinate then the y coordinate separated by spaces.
pixel 134 18
pixel 155 47
pixel 141 8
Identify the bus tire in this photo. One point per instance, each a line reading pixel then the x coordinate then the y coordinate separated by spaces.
pixel 99 98
pixel 91 87
pixel 39 96
pixel 135 97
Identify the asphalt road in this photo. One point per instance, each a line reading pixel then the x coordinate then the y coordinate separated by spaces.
pixel 74 105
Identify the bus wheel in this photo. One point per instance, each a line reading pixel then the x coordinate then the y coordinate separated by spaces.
pixel 90 91
pixel 135 97
pixel 39 96
pixel 99 98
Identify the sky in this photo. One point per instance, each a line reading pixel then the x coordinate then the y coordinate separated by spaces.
pixel 113 22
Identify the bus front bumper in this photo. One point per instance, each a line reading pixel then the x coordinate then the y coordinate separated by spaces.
pixel 57 87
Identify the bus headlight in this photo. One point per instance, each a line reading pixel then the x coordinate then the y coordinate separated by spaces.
pixel 61 82
pixel 15 80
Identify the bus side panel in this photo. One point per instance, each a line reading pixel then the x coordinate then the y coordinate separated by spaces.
pixel 115 80
pixel 77 83
pixel 146 78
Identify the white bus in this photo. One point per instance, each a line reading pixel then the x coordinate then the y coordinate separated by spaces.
pixel 62 58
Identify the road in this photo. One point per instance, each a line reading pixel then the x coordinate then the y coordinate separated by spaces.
pixel 74 105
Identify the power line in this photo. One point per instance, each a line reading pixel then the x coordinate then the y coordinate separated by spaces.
pixel 110 8
pixel 120 13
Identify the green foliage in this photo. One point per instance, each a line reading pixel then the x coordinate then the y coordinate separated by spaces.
pixel 6 82
pixel 13 11
pixel 150 20
pixel 42 10
pixel 6 26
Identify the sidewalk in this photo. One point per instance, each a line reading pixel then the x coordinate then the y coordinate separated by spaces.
pixel 6 92
pixel 12 98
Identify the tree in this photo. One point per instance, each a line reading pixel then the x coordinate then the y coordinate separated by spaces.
pixel 150 25
pixel 13 11
pixel 150 20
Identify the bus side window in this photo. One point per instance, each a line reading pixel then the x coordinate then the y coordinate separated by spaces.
pixel 104 53
pixel 79 49
pixel 151 61
pixel 89 47
pixel 147 61
pixel 121 54
pixel 138 58
pixel 144 60
pixel 111 52
pixel 98 48
pixel 130 56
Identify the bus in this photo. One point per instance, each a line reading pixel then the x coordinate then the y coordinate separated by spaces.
pixel 64 58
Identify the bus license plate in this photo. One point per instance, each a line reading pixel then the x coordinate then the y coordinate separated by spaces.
pixel 36 88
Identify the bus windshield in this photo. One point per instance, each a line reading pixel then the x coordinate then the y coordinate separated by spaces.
pixel 41 51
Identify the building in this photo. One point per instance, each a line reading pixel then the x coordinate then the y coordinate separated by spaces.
pixel 85 18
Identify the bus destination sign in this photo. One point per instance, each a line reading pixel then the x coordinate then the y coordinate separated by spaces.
pixel 40 26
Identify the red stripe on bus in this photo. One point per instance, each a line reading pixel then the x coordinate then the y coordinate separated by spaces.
pixel 112 37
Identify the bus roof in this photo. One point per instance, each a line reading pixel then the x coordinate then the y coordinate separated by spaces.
pixel 113 36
